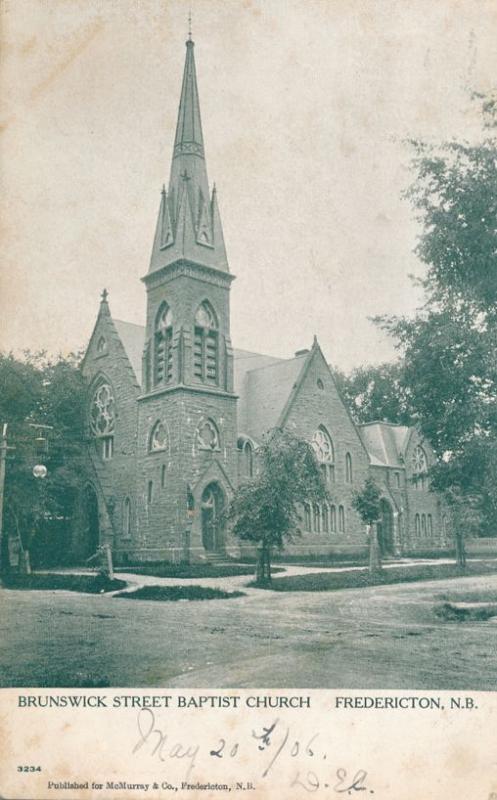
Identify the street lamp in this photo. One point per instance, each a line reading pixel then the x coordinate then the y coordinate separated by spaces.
pixel 39 472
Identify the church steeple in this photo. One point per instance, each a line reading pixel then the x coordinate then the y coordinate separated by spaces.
pixel 189 225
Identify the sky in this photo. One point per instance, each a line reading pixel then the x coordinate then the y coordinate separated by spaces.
pixel 306 107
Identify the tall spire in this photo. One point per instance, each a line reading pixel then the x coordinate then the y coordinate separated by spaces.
pixel 189 225
pixel 189 142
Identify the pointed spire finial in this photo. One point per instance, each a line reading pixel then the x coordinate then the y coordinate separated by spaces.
pixel 190 26
pixel 104 295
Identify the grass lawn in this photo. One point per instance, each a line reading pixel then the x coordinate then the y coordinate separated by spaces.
pixel 90 584
pixel 331 581
pixel 174 593
pixel 164 570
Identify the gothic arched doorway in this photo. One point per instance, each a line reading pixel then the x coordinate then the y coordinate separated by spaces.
pixel 385 528
pixel 92 523
pixel 212 504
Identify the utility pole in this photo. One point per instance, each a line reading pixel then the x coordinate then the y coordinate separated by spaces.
pixel 3 459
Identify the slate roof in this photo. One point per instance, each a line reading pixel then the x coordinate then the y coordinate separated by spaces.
pixel 264 390
pixel 263 384
pixel 133 339
pixel 385 442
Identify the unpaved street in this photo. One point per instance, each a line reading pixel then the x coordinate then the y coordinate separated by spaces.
pixel 381 637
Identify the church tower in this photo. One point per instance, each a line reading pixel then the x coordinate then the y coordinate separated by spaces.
pixel 187 410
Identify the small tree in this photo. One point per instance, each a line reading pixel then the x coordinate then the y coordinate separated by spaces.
pixel 265 510
pixel 367 504
pixel 465 514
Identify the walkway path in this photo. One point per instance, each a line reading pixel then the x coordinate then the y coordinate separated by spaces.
pixel 239 583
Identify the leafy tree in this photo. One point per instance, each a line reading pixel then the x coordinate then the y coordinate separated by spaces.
pixel 376 393
pixel 449 347
pixel 367 504
pixel 41 400
pixel 266 509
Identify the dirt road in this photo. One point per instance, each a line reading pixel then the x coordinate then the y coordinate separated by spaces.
pixel 381 637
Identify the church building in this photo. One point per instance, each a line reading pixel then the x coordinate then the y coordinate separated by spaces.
pixel 176 413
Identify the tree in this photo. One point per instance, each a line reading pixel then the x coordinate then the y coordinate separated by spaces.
pixel 266 509
pixel 449 347
pixel 42 401
pixel 367 504
pixel 376 393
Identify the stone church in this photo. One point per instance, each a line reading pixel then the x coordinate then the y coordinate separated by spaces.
pixel 176 413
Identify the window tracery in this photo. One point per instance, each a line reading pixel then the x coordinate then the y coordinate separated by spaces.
pixel 323 449
pixel 102 418
pixel 159 437
pixel 205 345
pixel 207 436
pixel 163 349
pixel 419 462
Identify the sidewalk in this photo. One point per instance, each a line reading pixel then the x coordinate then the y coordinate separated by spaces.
pixel 239 582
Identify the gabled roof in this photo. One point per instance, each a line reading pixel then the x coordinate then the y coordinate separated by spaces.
pixel 264 385
pixel 264 393
pixel 385 442
pixel 133 339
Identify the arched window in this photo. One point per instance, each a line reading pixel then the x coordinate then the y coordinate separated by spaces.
pixel 207 436
pixel 417 525
pixel 341 519
pixel 102 419
pixel 430 525
pixel 307 517
pixel 163 346
pixel 324 451
pixel 333 519
pixel 101 346
pixel 423 524
pixel 326 523
pixel 246 458
pixel 419 468
pixel 127 517
pixel 316 518
pixel 348 468
pixel 159 437
pixel 205 345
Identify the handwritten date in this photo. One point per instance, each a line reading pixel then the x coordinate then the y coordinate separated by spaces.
pixel 272 743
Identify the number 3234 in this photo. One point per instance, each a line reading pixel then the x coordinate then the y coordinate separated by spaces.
pixel 29 769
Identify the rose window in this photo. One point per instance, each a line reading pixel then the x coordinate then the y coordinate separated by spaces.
pixel 419 460
pixel 322 446
pixel 102 411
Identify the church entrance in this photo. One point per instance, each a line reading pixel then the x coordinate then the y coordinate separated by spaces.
pixel 385 528
pixel 92 524
pixel 212 523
